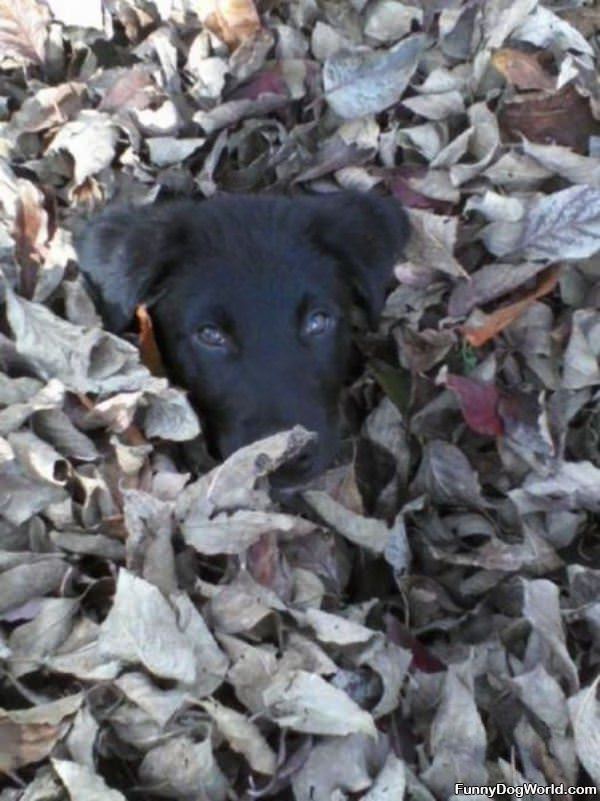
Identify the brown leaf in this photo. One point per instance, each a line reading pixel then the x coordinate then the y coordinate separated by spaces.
pixel 24 30
pixel 28 735
pixel 30 233
pixel 20 745
pixel 522 69
pixel 497 321
pixel 563 118
pixel 132 89
pixel 51 106
pixel 147 344
pixel 234 21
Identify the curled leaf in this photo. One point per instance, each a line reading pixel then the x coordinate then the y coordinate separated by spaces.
pixel 492 324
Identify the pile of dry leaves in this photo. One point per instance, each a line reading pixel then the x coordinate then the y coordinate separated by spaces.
pixel 430 614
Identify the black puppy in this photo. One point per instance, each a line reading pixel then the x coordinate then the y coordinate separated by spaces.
pixel 250 299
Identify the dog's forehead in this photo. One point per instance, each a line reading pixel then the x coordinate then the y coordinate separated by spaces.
pixel 252 282
pixel 258 262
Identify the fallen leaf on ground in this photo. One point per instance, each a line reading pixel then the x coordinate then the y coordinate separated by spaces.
pixel 29 735
pixel 233 21
pixel 24 30
pixel 359 83
pixel 492 324
pixel 522 69
pixel 479 404
pixel 149 352
pixel 563 118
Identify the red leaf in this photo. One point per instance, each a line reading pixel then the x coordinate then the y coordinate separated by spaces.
pixel 478 403
pixel 268 81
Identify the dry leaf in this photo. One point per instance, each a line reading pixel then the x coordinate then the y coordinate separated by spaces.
pixel 368 532
pixel 479 404
pixel 81 783
pixel 359 83
pixel 458 737
pixel 447 477
pixel 492 324
pixel 244 737
pixel 335 766
pixel 29 735
pixel 90 139
pixel 233 21
pixel 563 117
pixel 183 768
pixel 522 69
pixel 31 580
pixel 584 712
pixel 544 28
pixel 235 533
pixel 141 628
pixel 30 234
pixel 307 703
pixel 432 242
pixel 24 30
pixel 489 283
pixel 149 352
pixel 547 642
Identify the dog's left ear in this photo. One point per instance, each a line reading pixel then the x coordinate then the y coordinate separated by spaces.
pixel 367 234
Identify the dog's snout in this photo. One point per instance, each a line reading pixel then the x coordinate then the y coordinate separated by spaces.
pixel 244 431
pixel 300 469
pixel 305 460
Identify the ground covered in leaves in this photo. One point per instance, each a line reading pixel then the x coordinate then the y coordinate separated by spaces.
pixel 429 613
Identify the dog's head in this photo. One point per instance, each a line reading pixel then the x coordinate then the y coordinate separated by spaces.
pixel 251 300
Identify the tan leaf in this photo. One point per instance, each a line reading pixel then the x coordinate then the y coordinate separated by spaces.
pixel 234 21
pixel 23 30
pixel 28 735
pixel 522 69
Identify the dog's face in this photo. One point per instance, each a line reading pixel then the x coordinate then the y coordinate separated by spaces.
pixel 262 344
pixel 251 299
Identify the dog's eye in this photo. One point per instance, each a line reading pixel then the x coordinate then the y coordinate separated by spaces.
pixel 318 323
pixel 212 336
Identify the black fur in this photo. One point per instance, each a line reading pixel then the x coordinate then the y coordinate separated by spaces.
pixel 256 267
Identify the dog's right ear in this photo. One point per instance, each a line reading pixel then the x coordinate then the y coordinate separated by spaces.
pixel 124 253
